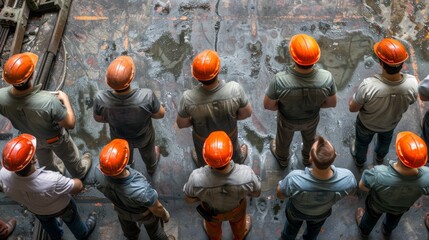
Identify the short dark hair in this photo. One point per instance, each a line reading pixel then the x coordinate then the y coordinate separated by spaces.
pixel 304 67
pixel 208 82
pixel 323 155
pixel 26 170
pixel 23 86
pixel 391 69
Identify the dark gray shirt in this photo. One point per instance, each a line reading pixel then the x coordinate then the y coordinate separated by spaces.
pixel 129 116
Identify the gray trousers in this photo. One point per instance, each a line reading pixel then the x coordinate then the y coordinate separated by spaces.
pixel 147 152
pixel 284 136
pixel 131 222
pixel 65 149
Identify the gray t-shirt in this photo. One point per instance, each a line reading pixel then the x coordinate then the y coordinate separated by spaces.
pixel 214 109
pixel 383 101
pixel 132 194
pixel 391 192
pixel 130 115
pixel 36 113
pixel 314 197
pixel 43 192
pixel 222 192
pixel 301 95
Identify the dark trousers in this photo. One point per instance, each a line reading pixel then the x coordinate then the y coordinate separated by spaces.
pixel 70 216
pixel 294 220
pixel 131 222
pixel 371 216
pixel 363 139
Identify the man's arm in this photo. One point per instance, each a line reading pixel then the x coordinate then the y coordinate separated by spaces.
pixel 362 186
pixel 330 102
pixel 191 199
pixel 69 120
pixel 280 194
pixel 159 114
pixel 99 118
pixel 354 106
pixel 244 112
pixel 183 122
pixel 271 104
pixel 77 186
pixel 158 210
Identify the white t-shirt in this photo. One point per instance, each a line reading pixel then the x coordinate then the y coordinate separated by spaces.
pixel 43 192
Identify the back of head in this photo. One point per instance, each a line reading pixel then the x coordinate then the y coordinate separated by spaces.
pixel 19 68
pixel 206 65
pixel 304 50
pixel 120 73
pixel 114 157
pixel 322 153
pixel 18 152
pixel 411 150
pixel 391 52
pixel 217 149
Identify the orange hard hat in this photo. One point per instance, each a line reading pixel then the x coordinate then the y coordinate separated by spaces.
pixel 120 73
pixel 18 152
pixel 391 51
pixel 19 68
pixel 114 157
pixel 206 65
pixel 411 149
pixel 217 149
pixel 304 50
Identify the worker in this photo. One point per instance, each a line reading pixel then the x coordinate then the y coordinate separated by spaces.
pixel 42 114
pixel 221 188
pixel 393 189
pixel 297 95
pixel 134 200
pixel 6 228
pixel 321 187
pixel 427 221
pixel 45 193
pixel 381 100
pixel 213 105
pixel 424 96
pixel 129 111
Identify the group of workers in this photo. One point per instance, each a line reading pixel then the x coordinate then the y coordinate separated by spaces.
pixel 221 183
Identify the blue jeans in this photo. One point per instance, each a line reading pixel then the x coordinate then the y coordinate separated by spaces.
pixel 363 139
pixel 371 216
pixel 294 220
pixel 70 216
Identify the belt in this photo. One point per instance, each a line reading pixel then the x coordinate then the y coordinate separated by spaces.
pixel 231 134
pixel 54 139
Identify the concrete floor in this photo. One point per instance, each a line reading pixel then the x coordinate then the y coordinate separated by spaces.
pixel 252 38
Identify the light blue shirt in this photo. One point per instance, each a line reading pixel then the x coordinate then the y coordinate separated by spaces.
pixel 313 196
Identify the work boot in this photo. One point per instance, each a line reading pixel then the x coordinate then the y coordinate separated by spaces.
pixel 248 225
pixel 427 220
pixel 86 162
pixel 379 160
pixel 90 222
pixel 151 170
pixel 358 218
pixel 243 149
pixel 353 152
pixel 282 163
pixel 10 225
